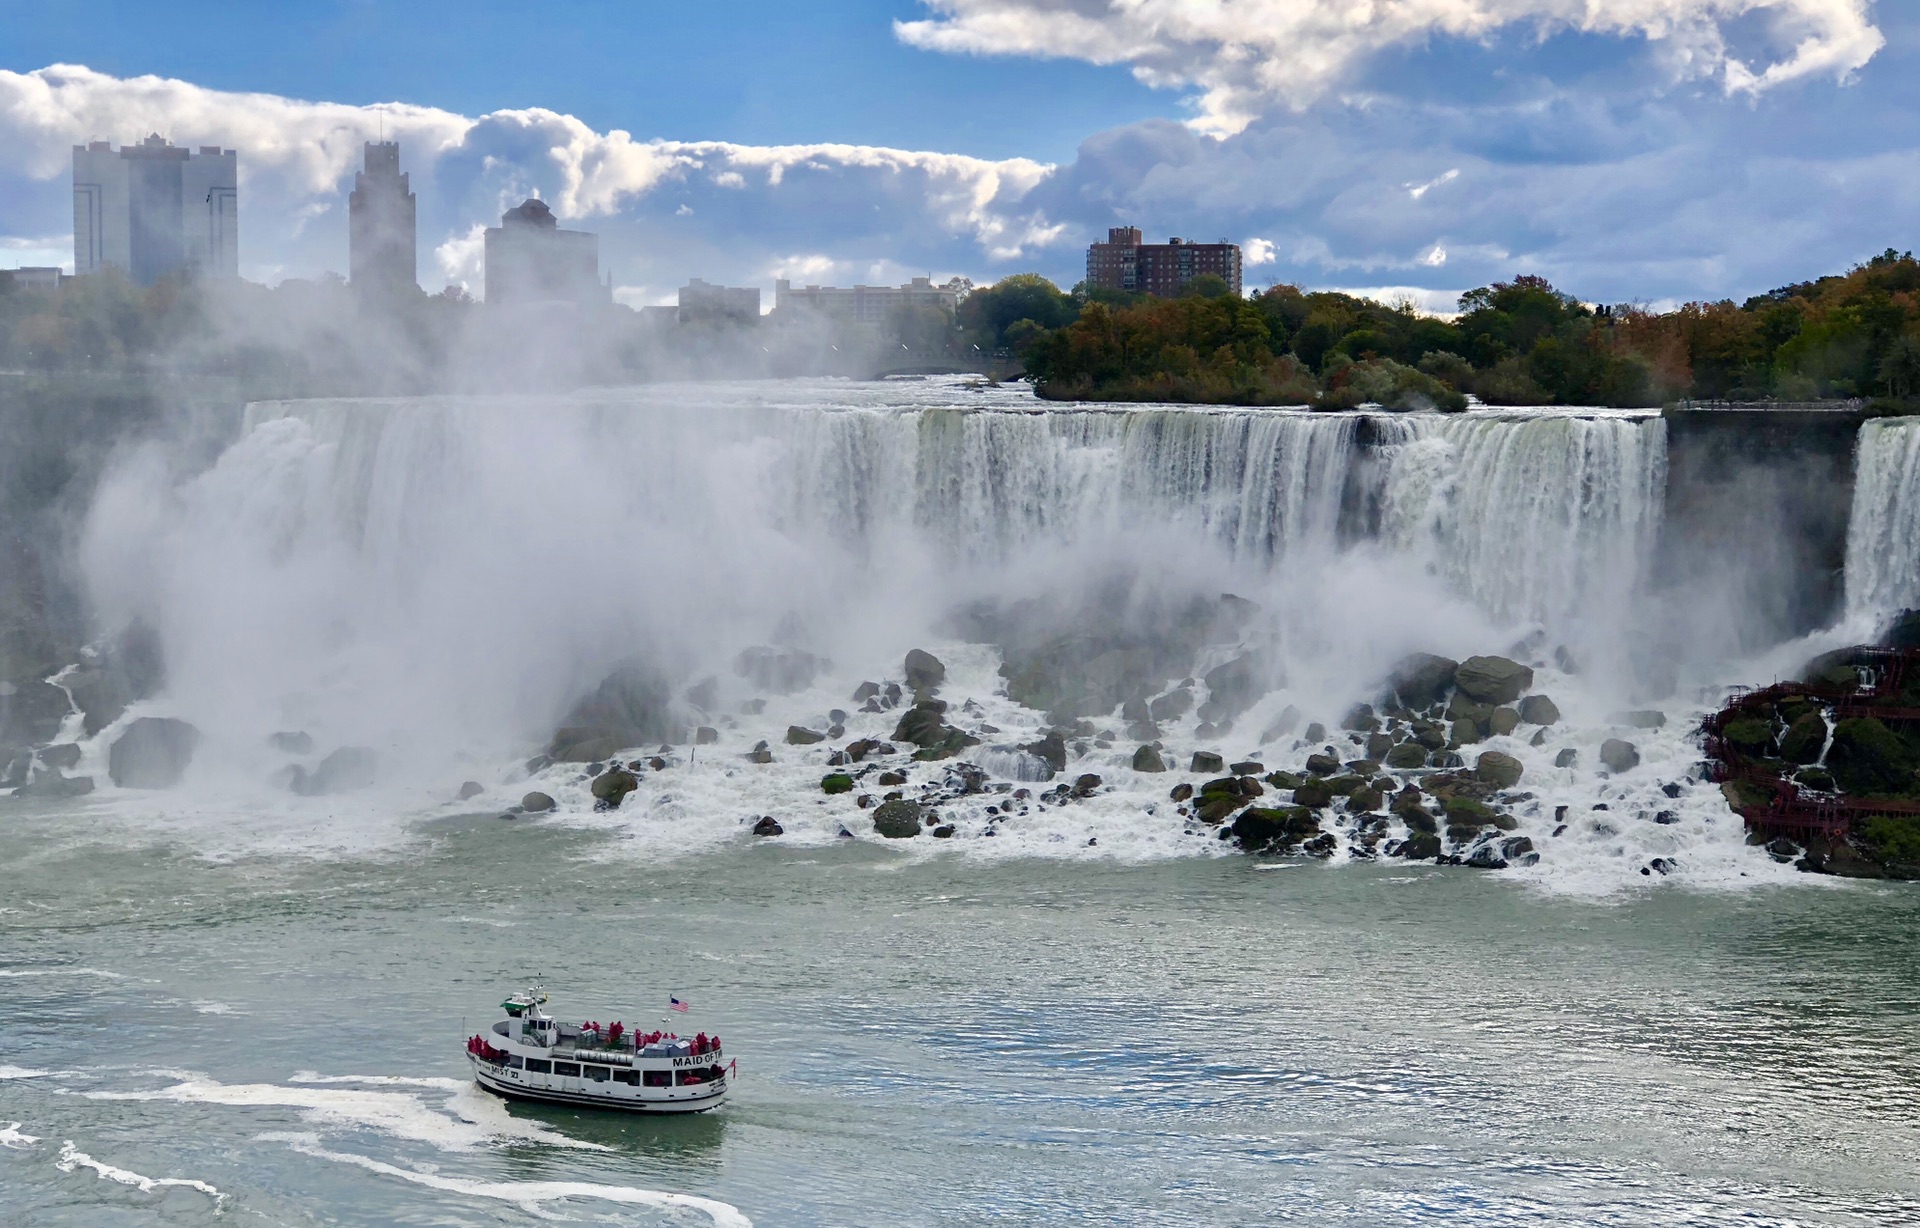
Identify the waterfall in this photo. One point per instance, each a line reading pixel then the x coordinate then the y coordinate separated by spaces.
pixel 1883 530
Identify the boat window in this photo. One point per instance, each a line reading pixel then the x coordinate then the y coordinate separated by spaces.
pixel 630 1077
pixel 570 1069
pixel 514 1060
pixel 597 1073
pixel 657 1078
pixel 690 1076
pixel 539 1065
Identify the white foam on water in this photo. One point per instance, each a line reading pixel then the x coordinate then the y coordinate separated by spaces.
pixel 216 1008
pixel 21 1072
pixel 100 973
pixel 10 1136
pixel 530 1196
pixel 472 1119
pixel 311 1076
pixel 72 1158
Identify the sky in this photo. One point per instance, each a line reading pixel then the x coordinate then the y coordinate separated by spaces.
pixel 1630 150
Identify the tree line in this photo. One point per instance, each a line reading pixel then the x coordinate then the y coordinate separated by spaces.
pixel 1519 342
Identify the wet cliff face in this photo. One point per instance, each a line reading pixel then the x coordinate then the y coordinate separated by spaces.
pixel 1757 509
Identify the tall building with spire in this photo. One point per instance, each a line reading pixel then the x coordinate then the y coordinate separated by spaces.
pixel 155 209
pixel 380 224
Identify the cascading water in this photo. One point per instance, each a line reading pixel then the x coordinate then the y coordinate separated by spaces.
pixel 440 579
pixel 1883 533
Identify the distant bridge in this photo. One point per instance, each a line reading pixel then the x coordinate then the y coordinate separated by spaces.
pixel 998 365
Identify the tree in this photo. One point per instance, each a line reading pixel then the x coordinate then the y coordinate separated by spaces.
pixel 987 313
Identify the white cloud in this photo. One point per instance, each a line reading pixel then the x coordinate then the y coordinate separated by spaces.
pixel 1417 190
pixel 1258 251
pixel 1245 55
pixel 462 258
pixel 1434 257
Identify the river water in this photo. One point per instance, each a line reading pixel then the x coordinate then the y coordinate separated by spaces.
pixel 223 1003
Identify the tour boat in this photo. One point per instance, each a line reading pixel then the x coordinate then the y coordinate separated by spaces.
pixel 531 1056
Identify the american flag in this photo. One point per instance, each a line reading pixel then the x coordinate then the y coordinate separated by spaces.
pixel 676 1004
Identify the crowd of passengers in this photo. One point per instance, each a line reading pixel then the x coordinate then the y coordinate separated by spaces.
pixel 616 1036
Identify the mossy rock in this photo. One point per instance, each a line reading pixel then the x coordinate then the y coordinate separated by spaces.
pixel 1466 812
pixel 1867 757
pixel 1894 841
pixel 1745 795
pixel 1816 778
pixel 1499 770
pixel 1420 846
pixel 1750 734
pixel 1313 793
pixel 1503 721
pixel 836 782
pixel 1804 738
pixel 1407 756
pixel 1277 828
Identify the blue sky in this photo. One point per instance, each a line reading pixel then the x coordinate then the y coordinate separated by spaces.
pixel 1629 149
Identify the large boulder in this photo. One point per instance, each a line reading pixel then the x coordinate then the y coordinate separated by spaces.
pixel 1493 680
pixel 1422 680
pixel 924 670
pixel 611 787
pixel 1147 759
pixel 898 820
pixel 632 706
pixel 1498 770
pixel 1619 755
pixel 1234 687
pixel 925 725
pixel 1274 830
pixel 53 784
pixel 1051 748
pixel 152 753
pixel 1805 738
pixel 1171 706
pixel 1407 756
pixel 346 769
pixel 537 802
pixel 1867 757
pixel 1539 710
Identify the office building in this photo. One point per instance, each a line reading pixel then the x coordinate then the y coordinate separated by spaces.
pixel 153 210
pixel 531 260
pixel 865 304
pixel 701 300
pixel 33 277
pixel 1123 262
pixel 380 224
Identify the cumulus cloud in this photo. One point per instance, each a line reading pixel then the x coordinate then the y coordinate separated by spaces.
pixel 297 158
pixel 1246 55
pixel 1259 251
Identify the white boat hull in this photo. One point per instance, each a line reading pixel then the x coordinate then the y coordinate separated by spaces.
pixel 586 1093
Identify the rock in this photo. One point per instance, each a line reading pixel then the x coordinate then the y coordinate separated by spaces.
pixel 15 765
pixel 1619 756
pixel 1493 680
pixel 53 785
pixel 1234 687
pixel 536 802
pixel 925 726
pixel 611 787
pixel 898 820
pixel 31 711
pixel 1463 733
pixel 1147 759
pixel 632 706
pixel 866 691
pixel 799 735
pixel 1419 846
pixel 1316 732
pixel 1181 792
pixel 1422 680
pixel 1867 757
pixel 1752 735
pixel 1819 779
pixel 1274 830
pixel 1566 758
pixel 293 742
pixel 346 769
pixel 1539 738
pixel 1466 812
pixel 781 670
pixel 1503 721
pixel 705 735
pixel 1206 761
pixel 1640 718
pixel 768 826
pixel 1804 739
pixel 1052 748
pixel 1171 706
pixel 1498 770
pixel 1086 785
pixel 65 756
pixel 1486 857
pixel 924 671
pixel 888 780
pixel 470 789
pixel 1313 793
pixel 759 754
pixel 1407 756
pixel 945 832
pixel 836 782
pixel 1360 719
pixel 1284 724
pixel 1539 710
pixel 1322 764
